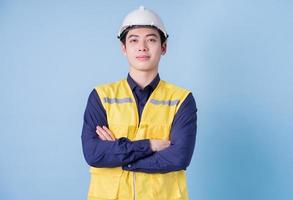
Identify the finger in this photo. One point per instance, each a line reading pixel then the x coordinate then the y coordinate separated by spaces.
pixel 109 132
pixel 101 136
pixel 105 134
pixel 97 128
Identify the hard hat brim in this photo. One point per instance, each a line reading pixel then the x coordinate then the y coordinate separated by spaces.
pixel 125 29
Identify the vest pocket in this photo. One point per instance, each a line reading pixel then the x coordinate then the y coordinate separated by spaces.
pixel 104 182
pixel 166 186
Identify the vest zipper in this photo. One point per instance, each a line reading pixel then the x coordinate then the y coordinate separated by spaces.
pixel 134 185
pixel 138 125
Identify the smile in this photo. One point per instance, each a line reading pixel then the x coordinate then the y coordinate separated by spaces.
pixel 143 58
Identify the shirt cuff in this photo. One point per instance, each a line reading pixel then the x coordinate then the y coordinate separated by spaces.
pixel 143 146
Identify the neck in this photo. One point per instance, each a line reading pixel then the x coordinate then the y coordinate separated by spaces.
pixel 143 78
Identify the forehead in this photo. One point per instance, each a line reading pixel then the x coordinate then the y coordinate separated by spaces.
pixel 142 31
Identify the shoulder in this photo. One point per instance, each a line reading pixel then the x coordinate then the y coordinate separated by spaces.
pixel 173 87
pixel 110 86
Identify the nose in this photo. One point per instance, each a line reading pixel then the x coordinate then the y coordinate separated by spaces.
pixel 142 46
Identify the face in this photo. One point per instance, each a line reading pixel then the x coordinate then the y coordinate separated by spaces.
pixel 143 49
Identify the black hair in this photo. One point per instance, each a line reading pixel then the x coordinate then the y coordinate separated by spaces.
pixel 123 35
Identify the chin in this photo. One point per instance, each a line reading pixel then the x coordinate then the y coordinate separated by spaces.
pixel 142 67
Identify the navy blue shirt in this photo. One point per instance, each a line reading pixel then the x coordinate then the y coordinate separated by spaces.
pixel 137 155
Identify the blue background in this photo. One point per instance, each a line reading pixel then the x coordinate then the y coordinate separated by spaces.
pixel 235 55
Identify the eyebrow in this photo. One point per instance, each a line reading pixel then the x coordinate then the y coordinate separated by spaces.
pixel 148 35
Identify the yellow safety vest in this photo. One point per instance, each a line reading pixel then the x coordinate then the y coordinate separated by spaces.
pixel 123 120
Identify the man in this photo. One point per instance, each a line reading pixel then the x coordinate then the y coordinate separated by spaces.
pixel 139 133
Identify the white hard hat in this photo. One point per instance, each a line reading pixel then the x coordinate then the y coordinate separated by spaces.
pixel 144 17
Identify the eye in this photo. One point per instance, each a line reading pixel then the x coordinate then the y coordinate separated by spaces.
pixel 152 40
pixel 133 40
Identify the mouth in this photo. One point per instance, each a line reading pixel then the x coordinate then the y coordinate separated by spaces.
pixel 143 58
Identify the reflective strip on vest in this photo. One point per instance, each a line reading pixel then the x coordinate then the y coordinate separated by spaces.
pixel 117 100
pixel 167 102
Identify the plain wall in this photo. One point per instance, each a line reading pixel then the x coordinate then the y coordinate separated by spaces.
pixel 235 56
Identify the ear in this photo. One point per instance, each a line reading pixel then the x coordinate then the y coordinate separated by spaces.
pixel 164 48
pixel 123 48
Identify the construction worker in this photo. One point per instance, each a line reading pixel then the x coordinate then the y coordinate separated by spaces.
pixel 139 133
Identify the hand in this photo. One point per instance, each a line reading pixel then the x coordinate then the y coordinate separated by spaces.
pixel 105 134
pixel 159 145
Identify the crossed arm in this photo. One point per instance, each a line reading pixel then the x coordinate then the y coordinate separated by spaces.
pixel 156 145
pixel 101 149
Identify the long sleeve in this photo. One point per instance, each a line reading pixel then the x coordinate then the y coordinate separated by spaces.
pixel 99 153
pixel 178 155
